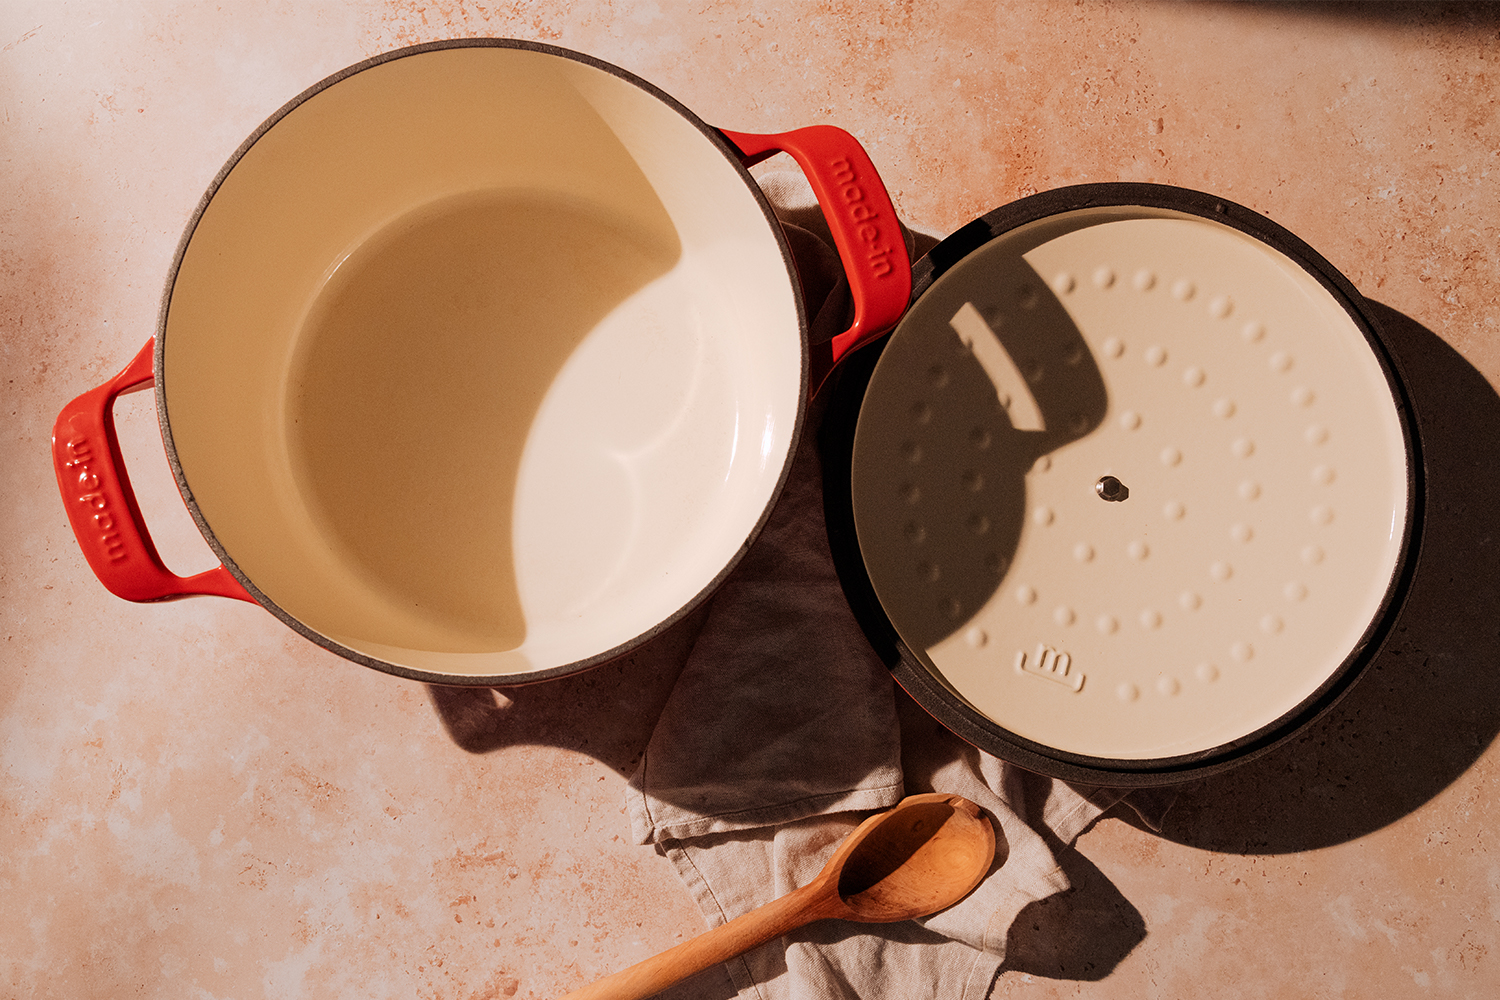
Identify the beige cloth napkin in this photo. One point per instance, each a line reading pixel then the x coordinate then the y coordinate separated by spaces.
pixel 785 730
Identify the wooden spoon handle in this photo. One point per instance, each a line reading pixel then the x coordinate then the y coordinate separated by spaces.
pixel 797 908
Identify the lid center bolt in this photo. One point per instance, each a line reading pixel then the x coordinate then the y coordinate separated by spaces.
pixel 1111 489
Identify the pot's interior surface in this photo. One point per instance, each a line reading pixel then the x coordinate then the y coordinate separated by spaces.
pixel 482 361
pixel 1131 483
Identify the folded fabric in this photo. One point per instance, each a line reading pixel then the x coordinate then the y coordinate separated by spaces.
pixel 784 731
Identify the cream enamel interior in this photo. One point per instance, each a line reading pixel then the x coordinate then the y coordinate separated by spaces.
pixel 482 361
pixel 1239 404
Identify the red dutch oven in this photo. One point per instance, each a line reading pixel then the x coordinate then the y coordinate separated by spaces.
pixel 481 362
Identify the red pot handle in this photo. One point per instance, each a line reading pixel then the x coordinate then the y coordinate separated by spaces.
pixel 864 226
pixel 101 505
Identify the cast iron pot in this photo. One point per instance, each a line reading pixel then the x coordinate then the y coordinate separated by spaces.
pixel 481 362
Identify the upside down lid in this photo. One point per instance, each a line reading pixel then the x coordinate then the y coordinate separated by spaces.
pixel 1133 480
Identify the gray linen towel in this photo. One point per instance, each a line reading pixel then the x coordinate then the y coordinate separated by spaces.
pixel 784 731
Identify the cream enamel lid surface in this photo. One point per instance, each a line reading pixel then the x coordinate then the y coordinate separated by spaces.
pixel 1256 440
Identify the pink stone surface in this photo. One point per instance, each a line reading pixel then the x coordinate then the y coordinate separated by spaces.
pixel 196 802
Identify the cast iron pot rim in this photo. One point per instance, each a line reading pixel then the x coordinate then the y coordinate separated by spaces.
pixel 837 440
pixel 709 133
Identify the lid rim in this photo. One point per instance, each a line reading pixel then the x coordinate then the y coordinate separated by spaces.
pixel 951 709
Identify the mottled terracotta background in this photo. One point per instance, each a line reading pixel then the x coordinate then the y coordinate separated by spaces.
pixel 195 802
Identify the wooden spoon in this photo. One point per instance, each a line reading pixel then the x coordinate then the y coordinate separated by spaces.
pixel 924 855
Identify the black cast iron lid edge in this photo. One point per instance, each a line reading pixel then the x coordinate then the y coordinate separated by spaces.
pixel 837 440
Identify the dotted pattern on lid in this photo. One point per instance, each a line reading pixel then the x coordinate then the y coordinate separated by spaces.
pixel 1259 462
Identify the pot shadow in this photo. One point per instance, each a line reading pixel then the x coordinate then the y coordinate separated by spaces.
pixel 607 712
pixel 1428 704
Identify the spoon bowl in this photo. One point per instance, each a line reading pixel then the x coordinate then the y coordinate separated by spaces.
pixel 922 856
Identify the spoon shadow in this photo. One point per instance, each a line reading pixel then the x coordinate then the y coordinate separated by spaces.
pixel 1082 934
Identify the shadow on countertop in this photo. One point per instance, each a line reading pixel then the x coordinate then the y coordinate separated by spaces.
pixel 607 712
pixel 1081 934
pixel 1482 14
pixel 1428 705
